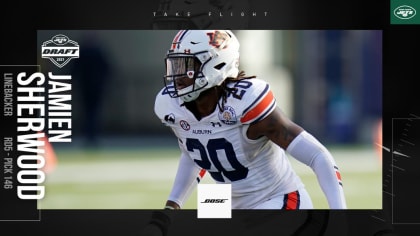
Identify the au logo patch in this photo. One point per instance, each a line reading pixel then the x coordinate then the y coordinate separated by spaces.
pixel 60 50
pixel 219 39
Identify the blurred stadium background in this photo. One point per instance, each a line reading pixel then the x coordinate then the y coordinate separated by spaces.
pixel 122 157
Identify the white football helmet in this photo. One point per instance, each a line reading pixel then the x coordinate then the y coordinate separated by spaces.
pixel 207 57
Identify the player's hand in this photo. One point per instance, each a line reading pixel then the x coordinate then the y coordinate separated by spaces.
pixel 151 230
pixel 315 224
pixel 158 224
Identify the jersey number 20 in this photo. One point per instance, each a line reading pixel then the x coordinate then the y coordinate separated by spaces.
pixel 213 145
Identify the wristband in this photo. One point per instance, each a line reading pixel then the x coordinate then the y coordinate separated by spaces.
pixel 169 208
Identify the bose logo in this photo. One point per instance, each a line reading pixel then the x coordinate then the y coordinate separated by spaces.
pixel 222 200
pixel 214 201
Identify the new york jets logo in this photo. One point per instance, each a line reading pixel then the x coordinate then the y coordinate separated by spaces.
pixel 405 12
pixel 60 50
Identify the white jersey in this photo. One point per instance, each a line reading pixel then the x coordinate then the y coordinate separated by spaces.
pixel 257 169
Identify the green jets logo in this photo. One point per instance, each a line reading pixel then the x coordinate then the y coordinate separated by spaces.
pixel 405 12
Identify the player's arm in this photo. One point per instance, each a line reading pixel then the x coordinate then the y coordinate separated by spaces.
pixel 277 127
pixel 305 148
pixel 186 179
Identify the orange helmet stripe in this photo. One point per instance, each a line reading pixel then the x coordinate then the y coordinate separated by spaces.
pixel 176 39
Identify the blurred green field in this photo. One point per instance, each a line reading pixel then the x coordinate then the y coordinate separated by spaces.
pixel 110 178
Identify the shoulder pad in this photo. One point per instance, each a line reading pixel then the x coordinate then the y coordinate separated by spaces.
pixel 253 99
pixel 163 104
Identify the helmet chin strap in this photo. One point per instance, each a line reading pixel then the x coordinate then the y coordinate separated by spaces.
pixel 191 96
pixel 201 83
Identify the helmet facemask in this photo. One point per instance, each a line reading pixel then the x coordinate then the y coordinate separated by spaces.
pixel 184 77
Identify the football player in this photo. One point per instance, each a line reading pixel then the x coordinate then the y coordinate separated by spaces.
pixel 229 126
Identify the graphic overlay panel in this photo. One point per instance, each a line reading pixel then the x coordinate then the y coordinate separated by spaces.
pixel 289 15
pixel 21 180
pixel 405 174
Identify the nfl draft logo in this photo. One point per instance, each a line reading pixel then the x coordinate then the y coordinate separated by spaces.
pixel 60 50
